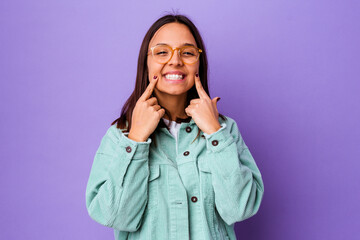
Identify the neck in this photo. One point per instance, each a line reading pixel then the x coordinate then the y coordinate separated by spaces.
pixel 175 104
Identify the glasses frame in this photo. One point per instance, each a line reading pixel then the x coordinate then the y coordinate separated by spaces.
pixel 172 53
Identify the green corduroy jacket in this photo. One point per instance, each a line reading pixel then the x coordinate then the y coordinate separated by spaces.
pixel 174 190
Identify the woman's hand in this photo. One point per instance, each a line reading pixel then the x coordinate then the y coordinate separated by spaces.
pixel 146 115
pixel 204 110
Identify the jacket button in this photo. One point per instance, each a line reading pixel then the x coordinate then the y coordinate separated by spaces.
pixel 186 153
pixel 128 149
pixel 194 199
pixel 215 142
pixel 188 129
pixel 203 136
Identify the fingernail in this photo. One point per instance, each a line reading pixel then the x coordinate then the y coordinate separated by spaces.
pixel 155 77
pixel 217 99
pixel 197 75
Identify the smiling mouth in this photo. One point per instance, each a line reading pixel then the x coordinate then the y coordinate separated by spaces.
pixel 174 76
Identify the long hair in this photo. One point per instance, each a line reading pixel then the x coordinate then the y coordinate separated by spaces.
pixel 142 81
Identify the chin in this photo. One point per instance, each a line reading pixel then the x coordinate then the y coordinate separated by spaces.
pixel 174 92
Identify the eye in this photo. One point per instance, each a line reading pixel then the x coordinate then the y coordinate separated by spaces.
pixel 161 53
pixel 188 54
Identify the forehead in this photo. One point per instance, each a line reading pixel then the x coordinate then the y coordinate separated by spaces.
pixel 173 34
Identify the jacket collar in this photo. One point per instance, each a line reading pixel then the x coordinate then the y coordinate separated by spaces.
pixel 188 120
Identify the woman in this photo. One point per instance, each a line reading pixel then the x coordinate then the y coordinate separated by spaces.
pixel 178 169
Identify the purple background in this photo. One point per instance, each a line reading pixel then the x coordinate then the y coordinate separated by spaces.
pixel 286 71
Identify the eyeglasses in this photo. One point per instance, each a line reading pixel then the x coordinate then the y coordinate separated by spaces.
pixel 163 53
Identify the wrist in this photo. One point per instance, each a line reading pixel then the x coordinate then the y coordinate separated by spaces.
pixel 213 129
pixel 136 138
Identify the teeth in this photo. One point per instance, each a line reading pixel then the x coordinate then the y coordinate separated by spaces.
pixel 174 76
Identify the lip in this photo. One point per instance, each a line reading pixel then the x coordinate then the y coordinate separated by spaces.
pixel 175 72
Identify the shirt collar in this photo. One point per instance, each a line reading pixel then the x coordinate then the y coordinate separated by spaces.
pixel 187 122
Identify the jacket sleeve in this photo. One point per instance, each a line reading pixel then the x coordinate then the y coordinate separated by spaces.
pixel 116 192
pixel 236 179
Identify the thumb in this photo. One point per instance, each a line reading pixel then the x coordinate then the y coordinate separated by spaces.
pixel 215 100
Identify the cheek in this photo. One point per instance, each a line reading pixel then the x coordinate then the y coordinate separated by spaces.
pixel 191 81
pixel 151 65
pixel 194 69
pixel 154 69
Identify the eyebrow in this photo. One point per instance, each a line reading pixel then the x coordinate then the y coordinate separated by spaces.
pixel 185 44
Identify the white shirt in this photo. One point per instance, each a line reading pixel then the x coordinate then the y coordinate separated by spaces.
pixel 174 127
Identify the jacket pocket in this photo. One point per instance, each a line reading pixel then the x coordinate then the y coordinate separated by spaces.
pixel 154 172
pixel 206 188
pixel 149 221
pixel 153 186
pixel 203 166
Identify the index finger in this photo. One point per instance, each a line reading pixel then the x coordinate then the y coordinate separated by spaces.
pixel 199 87
pixel 149 89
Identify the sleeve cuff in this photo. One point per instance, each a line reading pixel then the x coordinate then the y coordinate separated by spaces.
pixel 218 140
pixel 135 150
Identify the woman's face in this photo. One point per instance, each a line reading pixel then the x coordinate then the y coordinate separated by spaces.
pixel 174 35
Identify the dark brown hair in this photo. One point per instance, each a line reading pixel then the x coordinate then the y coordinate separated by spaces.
pixel 142 72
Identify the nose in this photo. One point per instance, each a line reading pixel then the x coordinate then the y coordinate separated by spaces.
pixel 176 59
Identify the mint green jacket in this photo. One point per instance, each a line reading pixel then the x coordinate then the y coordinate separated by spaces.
pixel 174 191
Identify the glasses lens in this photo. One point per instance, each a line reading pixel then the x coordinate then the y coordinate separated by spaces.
pixel 189 54
pixel 162 53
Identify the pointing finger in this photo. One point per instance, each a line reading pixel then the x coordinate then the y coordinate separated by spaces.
pixel 149 89
pixel 199 88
